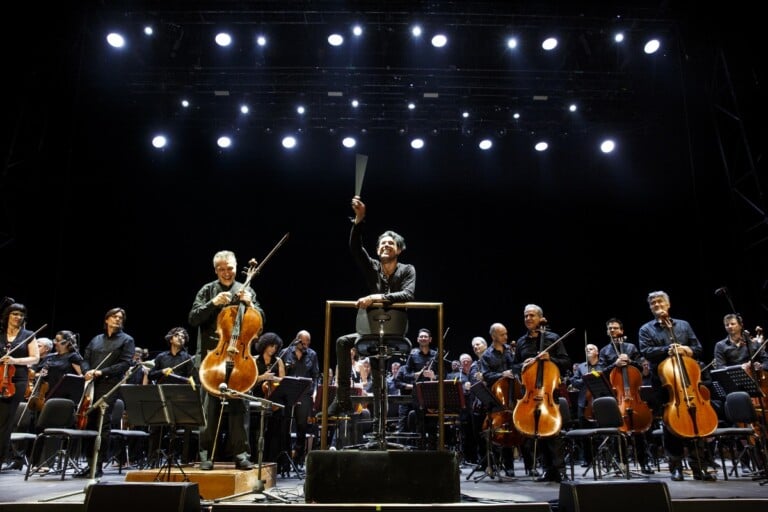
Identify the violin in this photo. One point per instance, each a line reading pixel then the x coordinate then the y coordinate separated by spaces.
pixel 7 387
pixel 84 407
pixel 689 413
pixel 37 394
pixel 537 414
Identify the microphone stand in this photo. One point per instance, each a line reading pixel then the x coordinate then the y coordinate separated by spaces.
pixel 265 406
pixel 102 405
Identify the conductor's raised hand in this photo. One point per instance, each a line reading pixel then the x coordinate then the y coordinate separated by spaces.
pixel 359 208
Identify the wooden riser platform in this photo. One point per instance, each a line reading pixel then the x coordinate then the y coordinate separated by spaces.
pixel 224 480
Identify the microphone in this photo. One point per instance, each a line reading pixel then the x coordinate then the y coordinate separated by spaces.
pixel 721 291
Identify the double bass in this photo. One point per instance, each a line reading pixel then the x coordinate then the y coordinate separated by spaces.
pixel 537 413
pixel 231 365
pixel 626 382
pixel 689 413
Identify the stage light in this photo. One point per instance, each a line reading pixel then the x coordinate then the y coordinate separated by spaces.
pixel 652 46
pixel 335 39
pixel 349 142
pixel 417 143
pixel 224 142
pixel 549 43
pixel 223 39
pixel 289 142
pixel 541 146
pixel 607 146
pixel 485 144
pixel 439 40
pixel 159 141
pixel 115 40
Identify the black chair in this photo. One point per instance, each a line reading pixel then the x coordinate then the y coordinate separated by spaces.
pixel 608 421
pixel 739 435
pixel 57 422
pixel 125 442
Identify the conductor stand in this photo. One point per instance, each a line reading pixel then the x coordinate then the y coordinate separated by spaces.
pixel 487 465
pixel 286 394
pixel 382 335
pixel 265 407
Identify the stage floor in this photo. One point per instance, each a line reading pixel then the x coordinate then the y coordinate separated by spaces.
pixel 506 490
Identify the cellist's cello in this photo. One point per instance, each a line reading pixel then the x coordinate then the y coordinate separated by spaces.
pixel 688 413
pixel 537 414
pixel 626 382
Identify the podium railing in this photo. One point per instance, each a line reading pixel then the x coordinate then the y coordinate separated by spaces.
pixel 329 306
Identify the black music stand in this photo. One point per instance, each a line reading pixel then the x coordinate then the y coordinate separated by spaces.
pixel 171 405
pixel 288 393
pixel 598 385
pixel 70 386
pixel 734 378
pixel 487 464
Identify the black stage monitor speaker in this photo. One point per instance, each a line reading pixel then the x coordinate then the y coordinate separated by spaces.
pixel 381 477
pixel 126 497
pixel 604 496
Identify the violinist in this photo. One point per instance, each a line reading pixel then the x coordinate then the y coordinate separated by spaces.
pixel 658 340
pixel 271 370
pixel 18 347
pixel 530 348
pixel 65 359
pixel 386 280
pixel 209 301
pixel 479 411
pixel 619 353
pixel 419 367
pixel 105 361
pixel 303 362
pixel 496 363
pixel 592 364
pixel 175 365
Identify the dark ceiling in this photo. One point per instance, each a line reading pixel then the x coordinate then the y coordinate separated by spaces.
pixel 93 218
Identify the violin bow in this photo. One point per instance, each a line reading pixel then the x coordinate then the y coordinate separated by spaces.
pixel 254 272
pixel 14 349
pixel 558 340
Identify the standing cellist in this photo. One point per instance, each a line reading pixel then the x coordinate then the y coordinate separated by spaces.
pixel 659 339
pixel 617 354
pixel 530 349
pixel 209 301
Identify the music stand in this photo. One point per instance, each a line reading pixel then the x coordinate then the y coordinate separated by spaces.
pixel 734 378
pixel 488 463
pixel 598 385
pixel 288 393
pixel 171 405
pixel 70 386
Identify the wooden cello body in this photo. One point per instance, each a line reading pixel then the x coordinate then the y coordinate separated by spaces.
pixel 537 414
pixel 626 382
pixel 688 413
pixel 231 362
pixel 507 392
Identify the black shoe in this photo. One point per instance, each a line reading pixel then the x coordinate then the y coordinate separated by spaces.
pixel 86 473
pixel 677 475
pixel 340 408
pixel 646 469
pixel 703 475
pixel 509 472
pixel 243 464
pixel 550 476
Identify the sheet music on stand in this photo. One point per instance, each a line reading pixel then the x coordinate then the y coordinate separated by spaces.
pixel 453 395
pixel 734 378
pixel 598 384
